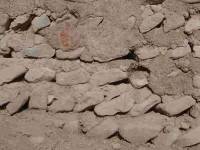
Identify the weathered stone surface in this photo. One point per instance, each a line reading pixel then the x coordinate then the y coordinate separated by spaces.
pixel 104 129
pixel 150 22
pixel 173 21
pixel 139 79
pixel 40 22
pixel 107 76
pixel 40 74
pixel 74 54
pixel 141 108
pixel 192 24
pixel 40 51
pixel 180 52
pixel 139 130
pixel 123 104
pixel 10 73
pixel 89 99
pixel 196 81
pixel 79 76
pixel 147 52
pixel 190 138
pixel 63 103
pixel 21 99
pixel 177 106
pixel 196 50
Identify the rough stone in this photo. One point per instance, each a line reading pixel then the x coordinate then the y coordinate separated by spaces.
pixel 107 76
pixel 177 106
pixel 180 52
pixel 147 52
pixel 40 22
pixel 10 73
pixel 18 103
pixel 139 130
pixel 141 108
pixel 122 104
pixel 190 138
pixel 74 54
pixel 150 22
pixel 139 79
pixel 40 51
pixel 40 74
pixel 104 129
pixel 79 76
pixel 90 99
pixel 192 24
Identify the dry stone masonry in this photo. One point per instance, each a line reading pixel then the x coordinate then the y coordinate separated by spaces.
pixel 100 74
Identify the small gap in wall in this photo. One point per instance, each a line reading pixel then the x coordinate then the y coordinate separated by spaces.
pixel 154 2
pixel 125 81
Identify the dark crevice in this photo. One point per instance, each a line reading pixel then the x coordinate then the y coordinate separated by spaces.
pixel 24 107
pixel 154 2
pixel 9 23
pixel 125 81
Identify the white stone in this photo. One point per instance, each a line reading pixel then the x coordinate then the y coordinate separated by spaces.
pixel 40 22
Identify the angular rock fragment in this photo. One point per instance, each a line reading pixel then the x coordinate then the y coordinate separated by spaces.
pixel 74 54
pixel 107 76
pixel 151 22
pixel 40 22
pixel 141 108
pixel 89 99
pixel 139 130
pixel 177 106
pixel 8 74
pixel 147 52
pixel 40 74
pixel 14 106
pixel 139 79
pixel 122 104
pixel 191 138
pixel 40 51
pixel 79 76
pixel 193 24
pixel 64 103
pixel 173 21
pixel 104 129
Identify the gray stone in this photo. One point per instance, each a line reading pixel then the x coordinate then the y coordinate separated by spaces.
pixel 40 51
pixel 79 76
pixel 10 73
pixel 40 22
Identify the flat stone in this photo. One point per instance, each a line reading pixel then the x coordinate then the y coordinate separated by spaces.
pixel 196 50
pixel 193 24
pixel 139 79
pixel 122 104
pixel 40 22
pixel 191 138
pixel 104 129
pixel 151 22
pixel 90 99
pixel 147 52
pixel 79 76
pixel 139 130
pixel 10 73
pixel 107 76
pixel 40 51
pixel 74 54
pixel 142 108
pixel 63 104
pixel 180 52
pixel 173 21
pixel 40 74
pixel 14 106
pixel 177 106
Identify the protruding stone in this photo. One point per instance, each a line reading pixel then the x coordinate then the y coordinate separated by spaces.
pixel 79 76
pixel 193 24
pixel 40 51
pixel 147 52
pixel 121 104
pixel 180 52
pixel 177 106
pixel 151 22
pixel 196 50
pixel 104 129
pixel 139 79
pixel 107 76
pixel 40 74
pixel 40 22
pixel 10 73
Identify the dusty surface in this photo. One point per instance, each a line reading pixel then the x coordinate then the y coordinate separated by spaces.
pixel 99 74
